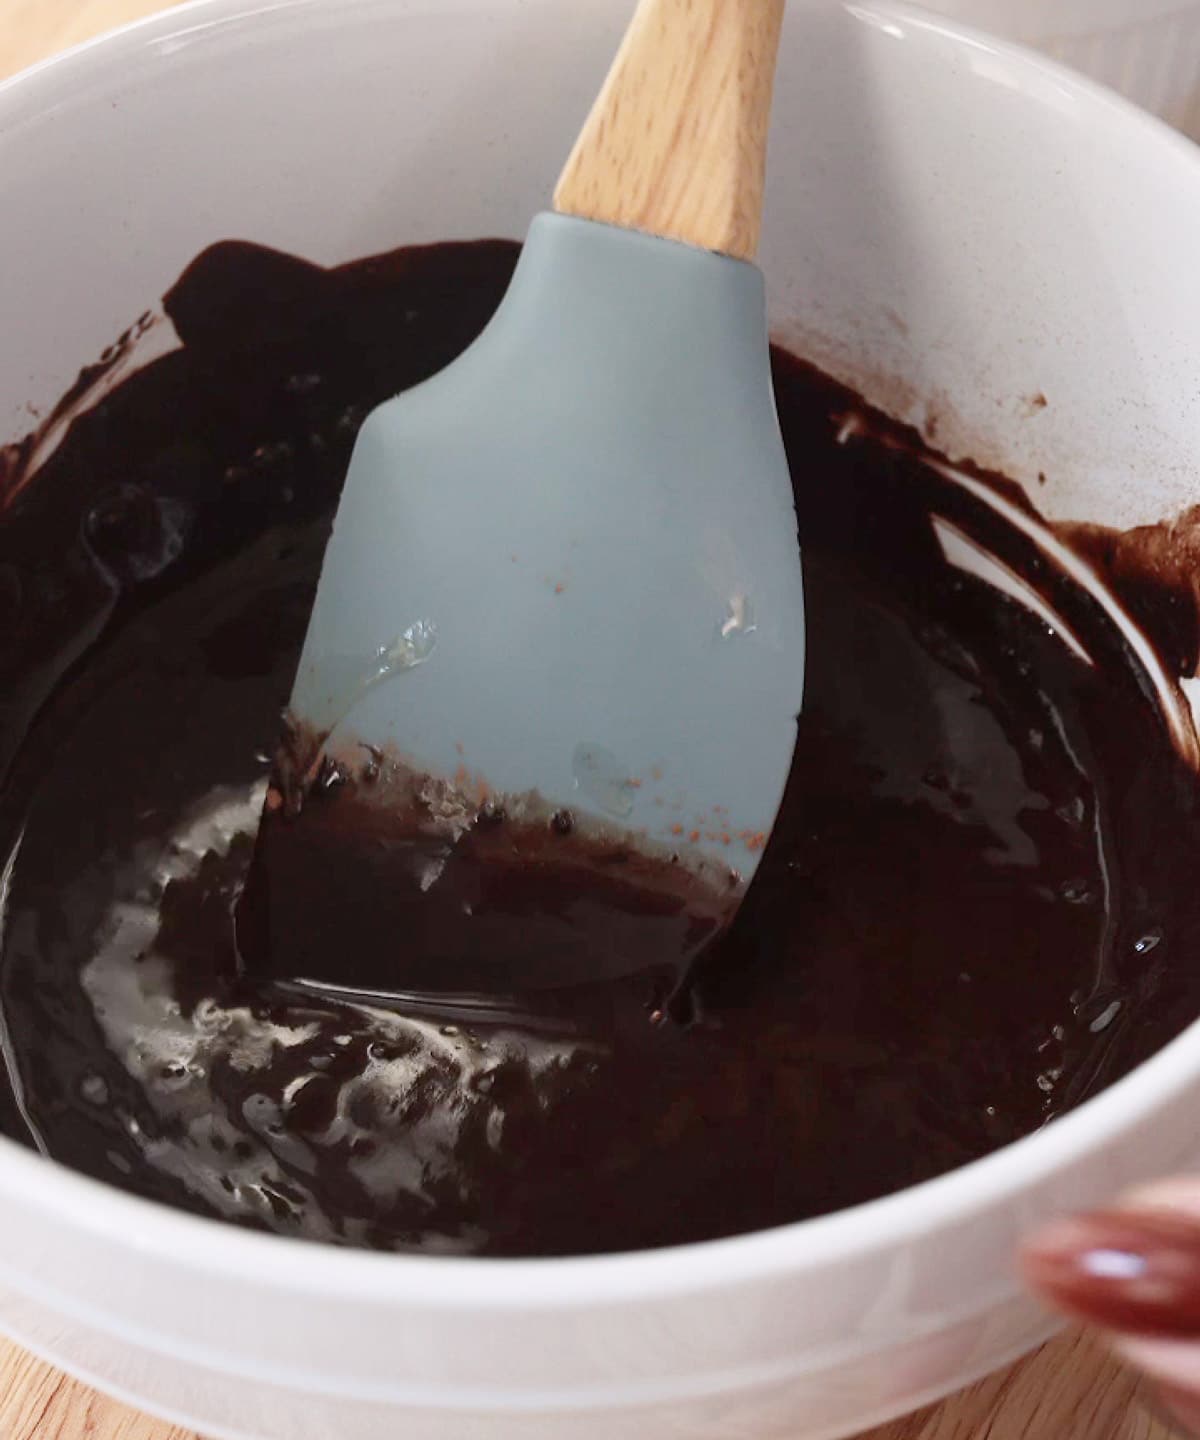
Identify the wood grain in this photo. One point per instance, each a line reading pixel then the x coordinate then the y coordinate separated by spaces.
pixel 37 1403
pixel 676 143
pixel 30 30
pixel 1071 1390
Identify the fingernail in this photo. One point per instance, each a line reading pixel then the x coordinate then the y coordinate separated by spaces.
pixel 1129 1271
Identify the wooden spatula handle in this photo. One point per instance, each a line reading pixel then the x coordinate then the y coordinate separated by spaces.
pixel 676 143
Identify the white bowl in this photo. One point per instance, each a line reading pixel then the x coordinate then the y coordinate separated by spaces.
pixel 954 226
pixel 1149 50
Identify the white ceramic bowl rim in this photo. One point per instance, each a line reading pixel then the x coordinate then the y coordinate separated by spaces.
pixel 1060 19
pixel 314 1270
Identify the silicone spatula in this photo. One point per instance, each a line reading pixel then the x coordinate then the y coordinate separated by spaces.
pixel 567 566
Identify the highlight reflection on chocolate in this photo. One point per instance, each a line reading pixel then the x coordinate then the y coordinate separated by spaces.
pixel 977 907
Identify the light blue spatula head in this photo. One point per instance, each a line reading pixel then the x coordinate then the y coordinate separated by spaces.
pixel 569 563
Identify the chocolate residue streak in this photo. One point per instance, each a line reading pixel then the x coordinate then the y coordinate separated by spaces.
pixel 1155 572
pixel 19 461
pixel 977 907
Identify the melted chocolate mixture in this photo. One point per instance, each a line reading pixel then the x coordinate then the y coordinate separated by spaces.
pixel 978 906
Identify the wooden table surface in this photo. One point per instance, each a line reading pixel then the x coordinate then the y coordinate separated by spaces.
pixel 1069 1391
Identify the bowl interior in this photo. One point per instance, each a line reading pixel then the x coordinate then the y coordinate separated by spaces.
pixel 954 232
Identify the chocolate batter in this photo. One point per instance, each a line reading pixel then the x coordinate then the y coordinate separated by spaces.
pixel 978 906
